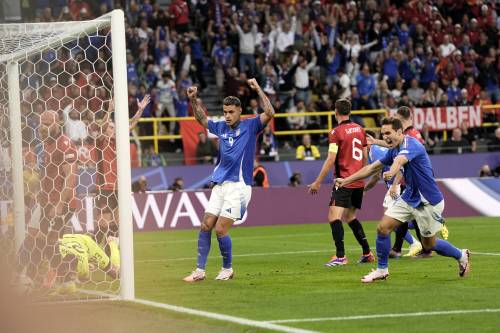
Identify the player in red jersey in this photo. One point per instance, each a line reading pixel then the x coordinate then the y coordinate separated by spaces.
pixel 107 200
pixel 347 151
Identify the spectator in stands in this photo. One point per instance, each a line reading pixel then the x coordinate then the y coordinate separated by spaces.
pixel 457 144
pixel 485 171
pixel 260 178
pixel 301 78
pixel 295 179
pixel 177 185
pixel 416 93
pixel 152 159
pixel 367 88
pixel 247 34
pixel 140 185
pixel 297 123
pixel 432 95
pixel 453 92
pixel 74 127
pixel 223 59
pixel 268 147
pixel 307 151
pixel 166 94
pixel 469 135
pixel 494 144
pixel 206 151
pixel 254 107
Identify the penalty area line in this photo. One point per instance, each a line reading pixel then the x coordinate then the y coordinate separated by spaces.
pixel 222 317
pixel 386 315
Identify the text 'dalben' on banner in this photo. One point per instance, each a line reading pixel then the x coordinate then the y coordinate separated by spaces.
pixel 446 118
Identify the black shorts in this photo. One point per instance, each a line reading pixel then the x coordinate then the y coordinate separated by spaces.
pixel 347 197
pixel 107 199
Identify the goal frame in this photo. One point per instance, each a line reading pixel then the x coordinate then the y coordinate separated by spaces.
pixel 116 21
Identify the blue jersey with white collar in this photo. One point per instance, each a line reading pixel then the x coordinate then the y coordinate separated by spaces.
pixel 236 150
pixel 376 153
pixel 419 176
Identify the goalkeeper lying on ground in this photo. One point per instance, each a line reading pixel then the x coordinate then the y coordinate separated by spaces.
pixel 75 253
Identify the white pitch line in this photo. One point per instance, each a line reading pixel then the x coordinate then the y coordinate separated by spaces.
pixel 218 316
pixel 385 315
pixel 277 254
pixel 237 255
pixel 486 253
pixel 175 241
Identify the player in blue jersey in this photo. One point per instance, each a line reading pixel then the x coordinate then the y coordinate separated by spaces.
pixel 233 175
pixel 422 200
pixel 394 189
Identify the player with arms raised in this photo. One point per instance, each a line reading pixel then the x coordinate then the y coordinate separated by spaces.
pixel 422 200
pixel 232 175
pixel 347 151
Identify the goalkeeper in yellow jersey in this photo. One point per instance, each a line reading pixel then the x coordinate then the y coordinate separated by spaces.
pixel 74 254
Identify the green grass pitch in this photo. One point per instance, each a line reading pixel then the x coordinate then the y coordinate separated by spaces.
pixel 279 275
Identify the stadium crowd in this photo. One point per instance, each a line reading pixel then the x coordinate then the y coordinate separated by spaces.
pixel 306 55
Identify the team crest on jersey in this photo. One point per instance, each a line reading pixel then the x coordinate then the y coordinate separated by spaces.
pixel 237 132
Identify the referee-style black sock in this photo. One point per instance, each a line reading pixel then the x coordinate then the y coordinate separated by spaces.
pixel 359 233
pixel 400 234
pixel 338 237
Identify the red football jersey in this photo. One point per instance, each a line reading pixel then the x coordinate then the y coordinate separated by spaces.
pixel 56 154
pixel 350 139
pixel 411 131
pixel 107 167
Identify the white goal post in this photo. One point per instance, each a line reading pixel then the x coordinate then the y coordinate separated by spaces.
pixel 17 43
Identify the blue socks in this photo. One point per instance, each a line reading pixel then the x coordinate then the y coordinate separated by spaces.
pixel 383 248
pixel 226 250
pixel 444 248
pixel 204 239
pixel 409 238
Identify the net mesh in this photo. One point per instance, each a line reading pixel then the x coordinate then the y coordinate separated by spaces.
pixel 70 249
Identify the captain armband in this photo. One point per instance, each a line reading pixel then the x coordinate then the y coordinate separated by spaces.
pixel 333 148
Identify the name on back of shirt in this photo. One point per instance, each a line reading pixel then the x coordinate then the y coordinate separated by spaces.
pixel 352 130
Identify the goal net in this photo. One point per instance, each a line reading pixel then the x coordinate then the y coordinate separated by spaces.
pixel 65 162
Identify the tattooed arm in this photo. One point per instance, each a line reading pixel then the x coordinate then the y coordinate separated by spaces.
pixel 268 113
pixel 198 111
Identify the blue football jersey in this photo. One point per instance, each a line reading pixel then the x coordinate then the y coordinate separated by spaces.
pixel 375 154
pixel 236 150
pixel 418 173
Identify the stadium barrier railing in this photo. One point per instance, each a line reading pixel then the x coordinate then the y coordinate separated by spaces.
pixel 156 137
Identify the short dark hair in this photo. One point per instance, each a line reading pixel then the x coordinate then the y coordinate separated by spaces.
pixel 371 133
pixel 394 122
pixel 343 107
pixel 404 112
pixel 232 100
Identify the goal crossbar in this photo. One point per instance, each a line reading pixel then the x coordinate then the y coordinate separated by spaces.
pixel 42 36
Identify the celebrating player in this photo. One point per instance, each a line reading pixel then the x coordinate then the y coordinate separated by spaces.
pixel 422 200
pixel 347 151
pixel 404 114
pixel 232 175
pixel 394 189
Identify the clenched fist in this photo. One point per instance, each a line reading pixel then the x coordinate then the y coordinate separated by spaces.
pixel 253 84
pixel 192 92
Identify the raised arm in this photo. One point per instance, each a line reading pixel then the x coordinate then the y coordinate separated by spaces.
pixel 198 111
pixel 141 106
pixel 366 171
pixel 372 141
pixel 268 113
